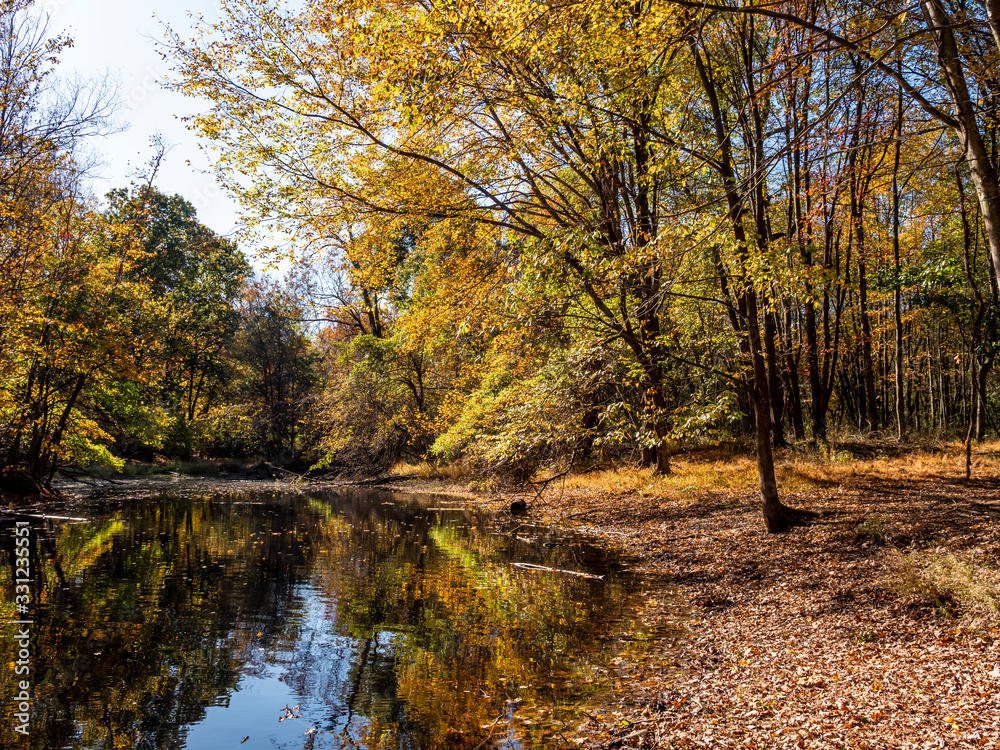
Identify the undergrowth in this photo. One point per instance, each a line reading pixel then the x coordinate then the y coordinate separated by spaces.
pixel 953 584
pixel 430 470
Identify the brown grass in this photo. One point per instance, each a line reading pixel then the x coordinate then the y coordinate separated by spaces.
pixel 797 469
pixel 952 583
pixel 428 470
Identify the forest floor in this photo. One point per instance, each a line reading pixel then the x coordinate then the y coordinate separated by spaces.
pixel 875 627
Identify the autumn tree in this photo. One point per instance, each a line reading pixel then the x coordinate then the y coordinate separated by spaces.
pixel 90 322
pixel 951 51
pixel 61 287
pixel 269 394
pixel 39 130
pixel 684 214
pixel 527 125
pixel 198 276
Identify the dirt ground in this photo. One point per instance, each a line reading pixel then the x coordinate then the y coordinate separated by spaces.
pixel 875 627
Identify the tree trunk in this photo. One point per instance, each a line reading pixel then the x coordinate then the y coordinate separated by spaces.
pixel 982 372
pixel 972 425
pixel 855 159
pixel 790 377
pixel 897 304
pixel 776 395
pixel 659 458
pixel 984 174
pixel 867 366
pixel 776 516
pixel 776 520
pixel 815 381
pixel 51 456
pixel 585 443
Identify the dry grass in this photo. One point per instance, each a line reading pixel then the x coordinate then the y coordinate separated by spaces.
pixel 685 476
pixel 419 470
pixel 732 468
pixel 428 470
pixel 952 583
pixel 798 469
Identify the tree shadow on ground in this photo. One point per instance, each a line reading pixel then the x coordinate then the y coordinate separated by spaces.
pixel 717 541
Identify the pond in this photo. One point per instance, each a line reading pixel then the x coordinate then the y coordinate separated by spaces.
pixel 246 615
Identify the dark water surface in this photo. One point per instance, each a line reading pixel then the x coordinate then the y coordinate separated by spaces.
pixel 191 617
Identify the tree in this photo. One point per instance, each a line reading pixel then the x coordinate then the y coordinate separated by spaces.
pixel 86 321
pixel 198 276
pixel 964 54
pixel 277 370
pixel 58 285
pixel 553 124
pixel 528 125
pixel 709 194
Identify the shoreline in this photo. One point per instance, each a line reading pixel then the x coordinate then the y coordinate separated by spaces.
pixel 800 640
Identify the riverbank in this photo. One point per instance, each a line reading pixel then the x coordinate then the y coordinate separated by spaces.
pixel 876 627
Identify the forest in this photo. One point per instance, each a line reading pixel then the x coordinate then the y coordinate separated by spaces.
pixel 522 238
pixel 628 369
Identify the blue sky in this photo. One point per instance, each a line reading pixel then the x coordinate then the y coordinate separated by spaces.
pixel 119 38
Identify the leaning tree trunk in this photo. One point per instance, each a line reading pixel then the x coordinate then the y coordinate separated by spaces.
pixel 50 458
pixel 977 156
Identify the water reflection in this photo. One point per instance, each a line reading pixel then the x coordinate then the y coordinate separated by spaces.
pixel 319 620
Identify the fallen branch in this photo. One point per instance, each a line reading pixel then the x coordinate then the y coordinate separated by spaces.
pixel 530 566
pixel 985 505
pixel 580 513
pixel 490 728
pixel 385 481
pixel 285 473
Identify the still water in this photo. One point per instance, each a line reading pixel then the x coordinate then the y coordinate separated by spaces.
pixel 198 615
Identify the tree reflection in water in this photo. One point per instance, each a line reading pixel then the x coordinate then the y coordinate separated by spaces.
pixel 191 620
